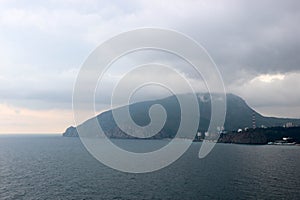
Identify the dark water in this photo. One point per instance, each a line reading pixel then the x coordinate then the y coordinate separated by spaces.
pixel 53 167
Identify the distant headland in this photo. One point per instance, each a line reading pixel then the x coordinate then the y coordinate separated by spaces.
pixel 243 125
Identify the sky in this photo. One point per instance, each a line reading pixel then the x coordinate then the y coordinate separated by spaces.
pixel 255 44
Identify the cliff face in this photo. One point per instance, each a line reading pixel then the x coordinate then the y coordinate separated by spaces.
pixel 244 138
pixel 261 135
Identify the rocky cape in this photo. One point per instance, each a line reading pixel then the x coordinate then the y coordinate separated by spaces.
pixel 261 135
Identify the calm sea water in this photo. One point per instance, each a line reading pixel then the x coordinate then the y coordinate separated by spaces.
pixel 54 167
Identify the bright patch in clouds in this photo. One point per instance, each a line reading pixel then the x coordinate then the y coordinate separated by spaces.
pixel 268 78
pixel 271 95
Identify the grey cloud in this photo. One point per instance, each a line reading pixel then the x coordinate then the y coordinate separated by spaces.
pixel 244 38
pixel 256 36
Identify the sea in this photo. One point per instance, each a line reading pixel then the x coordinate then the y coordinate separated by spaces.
pixel 56 167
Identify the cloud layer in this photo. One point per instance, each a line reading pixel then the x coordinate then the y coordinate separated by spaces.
pixel 43 45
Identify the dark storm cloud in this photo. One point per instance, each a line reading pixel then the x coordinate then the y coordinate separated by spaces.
pixel 256 36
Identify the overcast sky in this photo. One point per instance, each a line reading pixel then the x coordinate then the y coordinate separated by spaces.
pixel 255 44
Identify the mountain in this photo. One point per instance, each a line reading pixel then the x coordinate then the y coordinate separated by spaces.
pixel 238 116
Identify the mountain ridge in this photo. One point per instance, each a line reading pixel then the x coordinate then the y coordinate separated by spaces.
pixel 238 116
